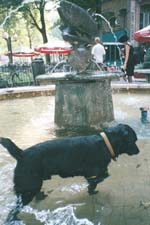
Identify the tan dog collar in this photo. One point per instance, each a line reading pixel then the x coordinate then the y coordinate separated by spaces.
pixel 107 142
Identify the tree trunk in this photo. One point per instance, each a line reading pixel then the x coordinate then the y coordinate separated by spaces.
pixel 43 29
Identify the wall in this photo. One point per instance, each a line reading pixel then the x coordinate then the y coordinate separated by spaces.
pixel 124 15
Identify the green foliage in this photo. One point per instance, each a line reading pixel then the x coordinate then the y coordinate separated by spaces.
pixel 32 13
pixel 10 3
pixel 26 19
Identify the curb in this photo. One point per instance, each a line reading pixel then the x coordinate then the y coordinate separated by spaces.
pixel 131 87
pixel 49 90
pixel 26 92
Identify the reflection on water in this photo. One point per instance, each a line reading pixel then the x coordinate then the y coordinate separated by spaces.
pixel 74 187
pixel 29 121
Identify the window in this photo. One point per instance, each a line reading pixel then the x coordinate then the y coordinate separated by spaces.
pixel 146 19
pixel 145 16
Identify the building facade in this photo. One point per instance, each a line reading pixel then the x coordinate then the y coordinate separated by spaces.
pixel 129 16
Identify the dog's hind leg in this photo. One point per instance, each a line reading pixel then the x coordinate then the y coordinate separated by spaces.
pixel 13 214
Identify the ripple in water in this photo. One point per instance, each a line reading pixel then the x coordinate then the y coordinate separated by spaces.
pixel 73 188
pixel 60 216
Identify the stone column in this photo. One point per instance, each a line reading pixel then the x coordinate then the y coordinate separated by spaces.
pixel 133 19
pixel 85 102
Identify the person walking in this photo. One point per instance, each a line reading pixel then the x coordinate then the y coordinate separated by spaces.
pixel 98 52
pixel 129 58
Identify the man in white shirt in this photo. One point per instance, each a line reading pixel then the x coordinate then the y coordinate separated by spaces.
pixel 98 51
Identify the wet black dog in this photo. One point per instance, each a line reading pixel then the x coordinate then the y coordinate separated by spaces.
pixel 86 156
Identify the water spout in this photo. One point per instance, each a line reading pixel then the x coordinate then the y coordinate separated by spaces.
pixel 111 30
pixel 12 12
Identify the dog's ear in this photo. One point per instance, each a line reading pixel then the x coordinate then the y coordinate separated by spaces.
pixel 123 129
pixel 128 132
pixel 125 133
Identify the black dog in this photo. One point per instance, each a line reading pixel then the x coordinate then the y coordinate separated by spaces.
pixel 86 156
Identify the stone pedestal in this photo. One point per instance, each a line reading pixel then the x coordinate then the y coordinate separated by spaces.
pixel 83 101
pixel 83 104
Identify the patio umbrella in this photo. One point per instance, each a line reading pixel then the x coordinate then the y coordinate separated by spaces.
pixel 142 35
pixel 55 47
pixel 23 52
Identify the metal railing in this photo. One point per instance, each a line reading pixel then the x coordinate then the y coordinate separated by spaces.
pixel 16 75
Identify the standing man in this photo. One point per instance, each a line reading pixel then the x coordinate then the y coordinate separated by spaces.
pixel 98 52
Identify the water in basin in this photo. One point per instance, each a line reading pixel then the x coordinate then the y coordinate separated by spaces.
pixel 29 121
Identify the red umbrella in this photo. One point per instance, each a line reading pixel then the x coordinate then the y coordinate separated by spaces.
pixel 142 35
pixel 25 53
pixel 55 47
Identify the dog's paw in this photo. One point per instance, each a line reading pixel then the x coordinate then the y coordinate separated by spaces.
pixel 92 192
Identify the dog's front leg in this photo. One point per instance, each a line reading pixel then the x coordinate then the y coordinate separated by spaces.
pixel 92 183
pixel 94 180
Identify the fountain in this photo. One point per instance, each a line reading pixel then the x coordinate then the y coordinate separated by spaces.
pixel 83 98
pixel 67 202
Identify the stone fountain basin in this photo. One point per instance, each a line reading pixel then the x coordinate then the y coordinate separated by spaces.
pixel 82 100
pixel 73 76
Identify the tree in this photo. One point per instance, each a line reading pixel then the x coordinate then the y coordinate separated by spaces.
pixel 33 11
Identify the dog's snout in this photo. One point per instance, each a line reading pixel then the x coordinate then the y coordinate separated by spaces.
pixel 136 150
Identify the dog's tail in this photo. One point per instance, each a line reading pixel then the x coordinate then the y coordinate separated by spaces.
pixel 11 147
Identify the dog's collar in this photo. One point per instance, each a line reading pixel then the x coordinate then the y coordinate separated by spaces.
pixel 107 142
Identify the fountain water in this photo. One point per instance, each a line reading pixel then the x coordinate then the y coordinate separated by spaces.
pixel 67 200
pixel 111 30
